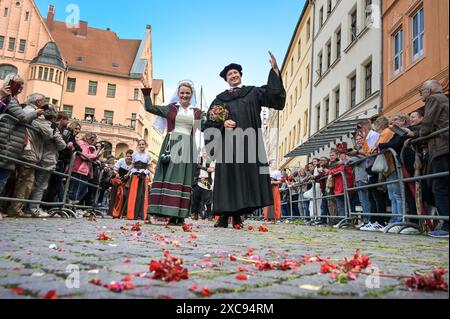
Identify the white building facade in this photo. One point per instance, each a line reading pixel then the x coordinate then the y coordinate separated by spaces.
pixel 346 71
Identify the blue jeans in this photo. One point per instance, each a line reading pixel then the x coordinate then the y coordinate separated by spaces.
pixel 78 190
pixel 440 187
pixel 295 210
pixel 363 196
pixel 4 175
pixel 324 211
pixel 396 198
pixel 340 203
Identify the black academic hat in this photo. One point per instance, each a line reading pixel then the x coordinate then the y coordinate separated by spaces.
pixel 232 66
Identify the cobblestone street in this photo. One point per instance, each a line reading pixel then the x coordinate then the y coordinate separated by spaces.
pixel 35 255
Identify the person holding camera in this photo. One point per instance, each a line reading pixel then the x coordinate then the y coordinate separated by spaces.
pixel 12 133
pixel 51 146
pixel 32 153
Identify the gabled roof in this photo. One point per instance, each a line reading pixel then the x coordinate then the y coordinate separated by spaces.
pixel 99 51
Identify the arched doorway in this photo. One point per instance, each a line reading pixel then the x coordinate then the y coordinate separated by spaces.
pixel 6 69
pixel 121 149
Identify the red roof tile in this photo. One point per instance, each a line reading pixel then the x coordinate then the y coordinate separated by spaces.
pixel 97 51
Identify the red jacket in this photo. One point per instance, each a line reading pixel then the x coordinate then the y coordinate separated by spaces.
pixel 338 182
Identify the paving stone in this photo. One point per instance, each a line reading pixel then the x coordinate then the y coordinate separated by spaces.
pixel 24 247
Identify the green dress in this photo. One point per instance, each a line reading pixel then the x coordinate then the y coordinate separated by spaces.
pixel 170 193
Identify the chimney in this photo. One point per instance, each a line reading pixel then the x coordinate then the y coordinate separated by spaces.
pixel 50 16
pixel 82 31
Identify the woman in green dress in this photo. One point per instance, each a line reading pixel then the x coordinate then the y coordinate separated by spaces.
pixel 170 194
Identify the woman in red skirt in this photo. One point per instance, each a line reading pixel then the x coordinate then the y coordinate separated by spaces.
pixel 137 201
pixel 273 213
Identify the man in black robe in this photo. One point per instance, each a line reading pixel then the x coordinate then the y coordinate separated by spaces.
pixel 242 182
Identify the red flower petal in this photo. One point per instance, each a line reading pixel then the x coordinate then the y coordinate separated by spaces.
pixel 263 229
pixel 96 282
pixel 232 258
pixel 127 261
pixel 251 228
pixel 126 279
pixel 193 288
pixel 18 291
pixel 242 277
pixel 51 295
pixel 206 292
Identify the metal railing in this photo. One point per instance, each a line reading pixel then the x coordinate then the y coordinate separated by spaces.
pixel 350 216
pixel 64 208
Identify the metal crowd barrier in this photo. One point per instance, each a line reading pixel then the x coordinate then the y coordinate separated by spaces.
pixel 61 208
pixel 350 216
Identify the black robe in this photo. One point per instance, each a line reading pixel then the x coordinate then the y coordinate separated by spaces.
pixel 244 186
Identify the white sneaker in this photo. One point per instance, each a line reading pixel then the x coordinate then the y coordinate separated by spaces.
pixel 394 230
pixel 410 231
pixel 366 227
pixel 374 227
pixel 38 213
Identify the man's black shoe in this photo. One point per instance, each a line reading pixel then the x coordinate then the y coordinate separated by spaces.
pixel 222 222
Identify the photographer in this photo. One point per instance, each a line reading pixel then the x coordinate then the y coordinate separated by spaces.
pixel 12 133
pixel 32 153
pixel 51 148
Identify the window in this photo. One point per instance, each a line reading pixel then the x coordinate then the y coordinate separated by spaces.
pixel 327 110
pixel 27 16
pixel 136 94
pixel 2 41
pixel 298 132
pixel 68 109
pixel 5 12
pixel 299 49
pixel 111 90
pixel 318 117
pixel 45 74
pixel 6 69
pixel 12 44
pixel 71 83
pixel 338 44
pixel 109 115
pixel 320 61
pixel 292 67
pixel 353 28
pixel 92 88
pixel 308 72
pixel 52 72
pixel 291 104
pixel 337 99
pixel 329 7
pixel 328 55
pixel 418 34
pixel 308 29
pixel 368 9
pixel 301 88
pixel 133 120
pixel 320 17
pixel 353 91
pixel 296 95
pixel 368 79
pixel 89 114
pixel 55 102
pixel 41 70
pixel 305 121
pixel 398 52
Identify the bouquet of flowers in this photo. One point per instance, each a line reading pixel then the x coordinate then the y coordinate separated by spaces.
pixel 219 113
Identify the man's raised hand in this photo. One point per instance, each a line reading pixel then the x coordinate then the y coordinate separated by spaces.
pixel 274 64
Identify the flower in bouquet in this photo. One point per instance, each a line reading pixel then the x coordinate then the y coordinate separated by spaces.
pixel 219 113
